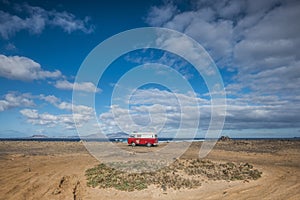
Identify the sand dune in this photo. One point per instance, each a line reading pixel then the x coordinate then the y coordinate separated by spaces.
pixel 56 170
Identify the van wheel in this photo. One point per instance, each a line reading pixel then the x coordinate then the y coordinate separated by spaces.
pixel 133 144
pixel 149 145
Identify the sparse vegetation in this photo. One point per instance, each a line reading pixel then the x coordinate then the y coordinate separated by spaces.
pixel 183 173
pixel 224 138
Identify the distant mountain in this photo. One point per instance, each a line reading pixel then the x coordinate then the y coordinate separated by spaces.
pixel 117 135
pixel 39 136
pixel 73 136
pixel 92 136
pixel 109 135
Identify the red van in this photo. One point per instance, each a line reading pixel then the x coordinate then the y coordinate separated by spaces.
pixel 147 138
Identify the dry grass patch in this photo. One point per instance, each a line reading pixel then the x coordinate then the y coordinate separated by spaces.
pixel 182 173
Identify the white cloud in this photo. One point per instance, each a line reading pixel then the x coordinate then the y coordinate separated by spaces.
pixel 82 109
pixel 267 58
pixel 187 49
pixel 23 68
pixel 249 36
pixel 66 121
pixel 272 42
pixel 35 118
pixel 262 116
pixel 81 114
pixel 159 15
pixel 69 23
pixel 35 19
pixel 258 42
pixel 63 105
pixel 83 86
pixel 164 97
pixel 26 69
pixel 13 100
pixel 154 109
pixel 215 36
pixel 50 98
pixel 30 113
pixel 166 59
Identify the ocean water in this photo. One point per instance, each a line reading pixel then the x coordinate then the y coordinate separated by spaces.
pixel 77 139
pixel 161 140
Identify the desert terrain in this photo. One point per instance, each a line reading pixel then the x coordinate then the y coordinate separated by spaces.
pixel 57 170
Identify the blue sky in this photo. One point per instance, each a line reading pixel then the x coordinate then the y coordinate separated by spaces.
pixel 254 44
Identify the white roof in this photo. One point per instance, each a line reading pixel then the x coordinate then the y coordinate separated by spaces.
pixel 143 133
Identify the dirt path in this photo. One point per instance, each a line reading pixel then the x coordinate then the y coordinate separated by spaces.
pixel 44 177
pixel 60 174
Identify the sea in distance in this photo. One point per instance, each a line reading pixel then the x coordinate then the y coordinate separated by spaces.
pixel 77 139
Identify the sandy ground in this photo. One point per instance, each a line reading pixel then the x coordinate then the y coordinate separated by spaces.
pixel 56 170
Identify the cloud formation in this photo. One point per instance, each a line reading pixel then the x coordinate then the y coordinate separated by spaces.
pixel 83 86
pixel 50 120
pixel 23 68
pixel 258 42
pixel 155 110
pixel 13 100
pixel 159 110
pixel 26 69
pixel 35 19
pixel 80 114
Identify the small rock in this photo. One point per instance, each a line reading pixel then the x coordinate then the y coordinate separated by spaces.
pixel 56 191
pixel 224 138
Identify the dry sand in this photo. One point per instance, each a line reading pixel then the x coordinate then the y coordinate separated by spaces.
pixel 56 170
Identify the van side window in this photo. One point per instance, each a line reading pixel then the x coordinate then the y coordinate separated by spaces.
pixel 132 136
pixel 138 135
